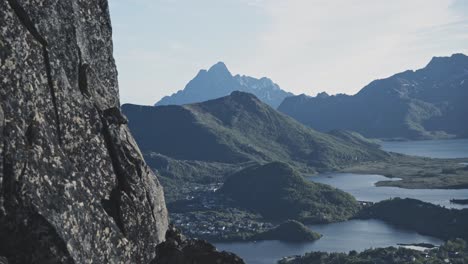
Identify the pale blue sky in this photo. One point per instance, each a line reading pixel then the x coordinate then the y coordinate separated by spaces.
pixel 306 46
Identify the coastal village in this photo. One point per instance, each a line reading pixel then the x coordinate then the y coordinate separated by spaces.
pixel 204 214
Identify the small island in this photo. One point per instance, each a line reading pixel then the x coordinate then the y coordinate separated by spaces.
pixel 291 231
pixel 424 218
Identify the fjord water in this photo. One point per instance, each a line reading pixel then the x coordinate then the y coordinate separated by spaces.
pixel 338 237
pixel 453 148
pixel 362 186
pixel 362 234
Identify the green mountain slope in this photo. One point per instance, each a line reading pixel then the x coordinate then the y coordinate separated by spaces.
pixel 290 230
pixel 278 192
pixel 425 218
pixel 239 128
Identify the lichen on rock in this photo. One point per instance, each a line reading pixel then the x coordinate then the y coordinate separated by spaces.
pixel 74 187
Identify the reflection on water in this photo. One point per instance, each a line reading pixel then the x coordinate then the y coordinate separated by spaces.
pixel 363 187
pixel 339 237
pixel 362 234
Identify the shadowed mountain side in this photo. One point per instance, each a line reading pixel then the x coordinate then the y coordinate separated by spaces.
pixel 425 218
pixel 240 128
pixel 423 104
pixel 291 231
pixel 278 192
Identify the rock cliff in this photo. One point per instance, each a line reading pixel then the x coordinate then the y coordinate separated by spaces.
pixel 179 250
pixel 74 187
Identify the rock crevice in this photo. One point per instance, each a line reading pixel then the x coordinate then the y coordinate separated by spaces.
pixel 29 25
pixel 74 187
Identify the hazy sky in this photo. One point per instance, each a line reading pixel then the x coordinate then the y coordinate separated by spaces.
pixel 306 46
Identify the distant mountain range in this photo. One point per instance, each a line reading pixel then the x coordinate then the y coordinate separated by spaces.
pixel 218 82
pixel 428 103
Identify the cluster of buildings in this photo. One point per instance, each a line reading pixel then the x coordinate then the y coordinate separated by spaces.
pixel 211 226
pixel 207 215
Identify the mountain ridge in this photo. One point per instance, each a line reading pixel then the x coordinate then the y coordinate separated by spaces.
pixel 422 104
pixel 239 128
pixel 218 81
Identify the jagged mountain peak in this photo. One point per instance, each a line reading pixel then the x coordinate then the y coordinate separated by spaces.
pixel 455 58
pixel 219 67
pixel 218 82
pixel 443 67
pixel 255 83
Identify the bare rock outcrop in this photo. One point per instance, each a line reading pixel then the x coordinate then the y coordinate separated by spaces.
pixel 74 187
pixel 179 250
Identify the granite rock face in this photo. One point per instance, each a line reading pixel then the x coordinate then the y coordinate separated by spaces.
pixel 74 187
pixel 179 250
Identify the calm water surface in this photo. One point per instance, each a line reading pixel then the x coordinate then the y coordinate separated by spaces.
pixel 363 187
pixel 362 234
pixel 454 148
pixel 339 237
